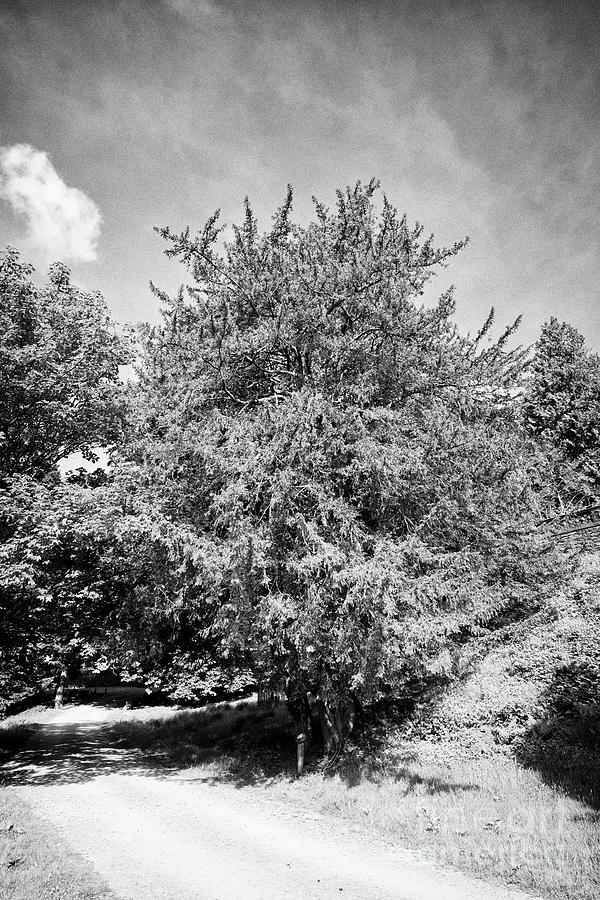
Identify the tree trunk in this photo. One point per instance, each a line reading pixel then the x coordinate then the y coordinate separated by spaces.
pixel 337 720
pixel 336 716
pixel 60 688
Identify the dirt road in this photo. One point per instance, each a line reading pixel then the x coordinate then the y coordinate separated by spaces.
pixel 155 833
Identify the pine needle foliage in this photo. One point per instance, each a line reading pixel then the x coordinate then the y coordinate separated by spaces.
pixel 350 459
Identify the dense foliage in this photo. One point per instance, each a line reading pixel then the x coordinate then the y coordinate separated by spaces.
pixel 59 392
pixel 562 411
pixel 349 463
pixel 563 399
pixel 59 359
pixel 316 482
pixel 93 580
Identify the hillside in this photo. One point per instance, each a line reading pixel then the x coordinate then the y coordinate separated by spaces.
pixel 530 689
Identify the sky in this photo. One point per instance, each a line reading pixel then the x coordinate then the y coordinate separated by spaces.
pixel 480 119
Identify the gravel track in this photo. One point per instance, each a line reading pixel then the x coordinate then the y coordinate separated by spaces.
pixel 157 833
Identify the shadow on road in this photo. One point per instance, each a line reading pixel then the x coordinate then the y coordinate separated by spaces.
pixel 236 744
pixel 67 754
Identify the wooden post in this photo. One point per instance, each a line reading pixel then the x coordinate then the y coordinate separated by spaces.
pixel 60 689
pixel 300 744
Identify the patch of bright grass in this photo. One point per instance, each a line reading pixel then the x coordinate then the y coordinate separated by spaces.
pixel 488 816
pixel 35 864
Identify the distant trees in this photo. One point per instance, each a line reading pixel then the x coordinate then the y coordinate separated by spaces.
pixel 562 409
pixel 349 463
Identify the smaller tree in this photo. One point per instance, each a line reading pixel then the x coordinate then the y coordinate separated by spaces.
pixel 562 409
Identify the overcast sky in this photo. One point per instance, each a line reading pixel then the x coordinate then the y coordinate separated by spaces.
pixel 479 119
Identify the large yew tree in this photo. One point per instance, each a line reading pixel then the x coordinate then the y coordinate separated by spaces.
pixel 348 461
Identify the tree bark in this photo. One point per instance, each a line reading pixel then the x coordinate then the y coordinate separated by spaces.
pixel 337 720
pixel 336 716
pixel 301 748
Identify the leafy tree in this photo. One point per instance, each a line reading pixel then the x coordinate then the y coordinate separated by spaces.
pixel 59 392
pixel 94 579
pixel 59 359
pixel 52 602
pixel 349 463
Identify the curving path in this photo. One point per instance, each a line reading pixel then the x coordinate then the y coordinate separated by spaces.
pixel 155 834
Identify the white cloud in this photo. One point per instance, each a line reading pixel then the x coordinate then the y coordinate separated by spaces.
pixel 62 221
pixel 200 12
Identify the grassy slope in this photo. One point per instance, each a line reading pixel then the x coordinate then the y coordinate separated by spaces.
pixel 533 692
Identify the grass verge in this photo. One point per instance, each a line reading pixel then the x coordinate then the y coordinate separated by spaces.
pixel 35 864
pixel 488 816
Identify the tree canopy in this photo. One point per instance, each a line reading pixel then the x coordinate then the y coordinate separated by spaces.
pixel 317 481
pixel 348 461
